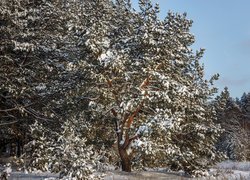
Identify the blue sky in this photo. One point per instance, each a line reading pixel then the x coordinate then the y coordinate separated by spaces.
pixel 222 27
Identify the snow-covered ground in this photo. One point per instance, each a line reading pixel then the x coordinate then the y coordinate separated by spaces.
pixel 241 166
pixel 226 170
pixel 143 175
pixel 233 170
pixel 31 176
pixel 215 174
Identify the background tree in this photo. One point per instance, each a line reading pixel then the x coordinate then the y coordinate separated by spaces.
pixel 234 140
pixel 38 65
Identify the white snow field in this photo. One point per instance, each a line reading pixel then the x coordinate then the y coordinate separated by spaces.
pixel 226 170
pixel 235 170
pixel 31 176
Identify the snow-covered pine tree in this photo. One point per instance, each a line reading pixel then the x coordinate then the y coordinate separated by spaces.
pixel 245 105
pixel 55 88
pixel 15 50
pixel 150 85
pixel 40 73
pixel 245 121
pixel 234 140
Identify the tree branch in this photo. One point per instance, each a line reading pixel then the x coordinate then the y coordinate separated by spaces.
pixel 7 110
pixel 8 123
pixel 131 118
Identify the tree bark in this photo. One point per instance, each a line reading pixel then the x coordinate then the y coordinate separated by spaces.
pixel 125 160
pixel 19 151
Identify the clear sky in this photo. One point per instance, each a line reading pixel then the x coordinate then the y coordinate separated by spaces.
pixel 222 27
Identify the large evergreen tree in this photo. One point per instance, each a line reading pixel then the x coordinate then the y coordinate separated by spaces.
pixel 150 85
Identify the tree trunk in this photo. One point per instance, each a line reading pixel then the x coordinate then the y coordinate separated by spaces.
pixel 125 160
pixel 19 144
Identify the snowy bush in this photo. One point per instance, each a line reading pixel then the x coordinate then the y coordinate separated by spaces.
pixel 66 152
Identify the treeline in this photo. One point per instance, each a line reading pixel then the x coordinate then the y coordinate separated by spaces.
pixel 234 117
